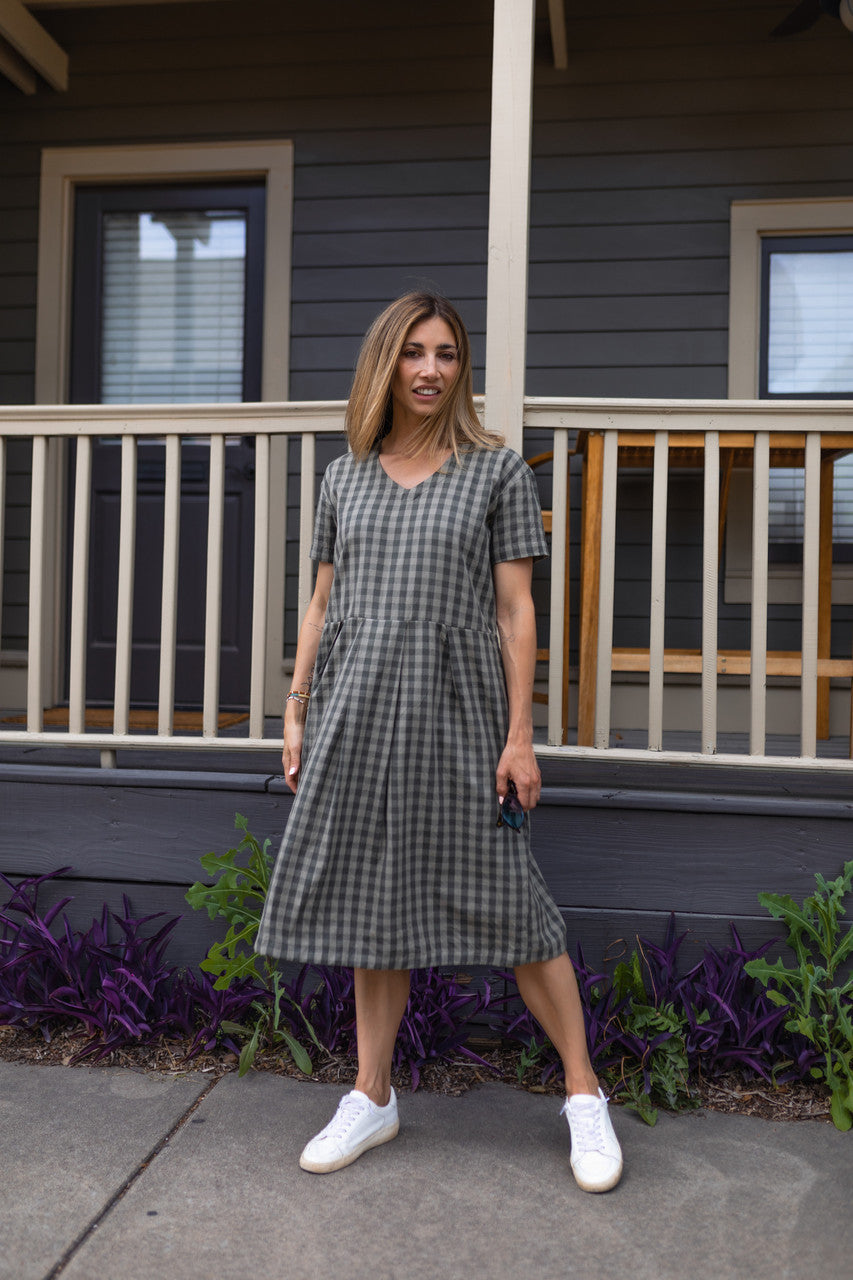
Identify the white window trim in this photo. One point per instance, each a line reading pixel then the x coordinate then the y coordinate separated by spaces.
pixel 751 220
pixel 64 169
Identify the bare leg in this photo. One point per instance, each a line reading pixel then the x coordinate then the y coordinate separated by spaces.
pixel 380 1002
pixel 550 991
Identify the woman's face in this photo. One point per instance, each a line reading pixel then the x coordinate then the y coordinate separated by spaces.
pixel 426 370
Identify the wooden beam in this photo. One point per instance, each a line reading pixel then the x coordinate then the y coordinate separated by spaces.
pixel 509 218
pixel 590 578
pixel 824 604
pixel 559 40
pixel 29 39
pixel 103 4
pixel 730 662
pixel 13 67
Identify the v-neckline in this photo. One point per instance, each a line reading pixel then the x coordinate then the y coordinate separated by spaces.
pixel 409 488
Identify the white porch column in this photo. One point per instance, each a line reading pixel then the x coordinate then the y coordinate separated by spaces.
pixel 509 215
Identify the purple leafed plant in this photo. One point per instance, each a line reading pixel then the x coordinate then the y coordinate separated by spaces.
pixel 434 1026
pixel 118 990
pixel 112 981
pixel 731 1023
pixel 326 996
pixel 197 1007
pixel 115 990
pixel 435 1023
pixel 728 1020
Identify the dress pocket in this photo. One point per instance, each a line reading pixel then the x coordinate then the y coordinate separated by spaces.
pixel 328 640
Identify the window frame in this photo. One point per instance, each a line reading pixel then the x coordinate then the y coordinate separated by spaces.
pixel 62 171
pixel 753 221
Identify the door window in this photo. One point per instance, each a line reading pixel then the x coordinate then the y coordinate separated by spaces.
pixel 168 301
pixel 168 308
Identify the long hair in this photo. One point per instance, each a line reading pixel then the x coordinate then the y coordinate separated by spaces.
pixel 454 425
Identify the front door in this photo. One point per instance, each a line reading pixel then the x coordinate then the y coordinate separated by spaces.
pixel 167 308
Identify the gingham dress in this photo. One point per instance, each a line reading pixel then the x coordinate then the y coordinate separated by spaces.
pixel 392 857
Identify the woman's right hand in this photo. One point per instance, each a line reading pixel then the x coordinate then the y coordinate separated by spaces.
pixel 291 757
pixel 295 710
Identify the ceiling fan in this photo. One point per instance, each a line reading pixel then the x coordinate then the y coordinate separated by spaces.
pixel 806 13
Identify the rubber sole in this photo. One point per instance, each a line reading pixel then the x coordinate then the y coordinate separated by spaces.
pixel 375 1140
pixel 595 1190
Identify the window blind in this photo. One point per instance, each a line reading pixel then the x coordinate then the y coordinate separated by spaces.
pixel 810 324
pixel 807 352
pixel 174 287
pixel 786 503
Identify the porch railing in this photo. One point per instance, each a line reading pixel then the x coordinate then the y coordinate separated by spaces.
pixel 811 435
pixel 50 428
pixel 595 427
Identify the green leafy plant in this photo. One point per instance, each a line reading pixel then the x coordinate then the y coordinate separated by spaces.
pixel 269 1029
pixel 653 1068
pixel 530 1055
pixel 820 1002
pixel 241 878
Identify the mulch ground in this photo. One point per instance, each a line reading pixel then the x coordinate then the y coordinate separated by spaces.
pixel 732 1093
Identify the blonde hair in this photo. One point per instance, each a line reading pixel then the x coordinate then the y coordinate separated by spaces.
pixel 454 425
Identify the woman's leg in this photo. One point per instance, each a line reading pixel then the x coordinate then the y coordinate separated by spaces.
pixel 380 1002
pixel 550 991
pixel 364 1122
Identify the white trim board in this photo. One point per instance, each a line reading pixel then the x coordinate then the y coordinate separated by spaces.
pixel 751 220
pixel 64 169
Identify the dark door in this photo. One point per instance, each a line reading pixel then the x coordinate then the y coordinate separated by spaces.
pixel 167 308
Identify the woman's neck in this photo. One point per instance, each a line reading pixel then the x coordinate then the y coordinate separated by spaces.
pixel 402 438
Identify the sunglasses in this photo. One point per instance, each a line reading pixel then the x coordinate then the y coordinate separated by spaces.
pixel 511 813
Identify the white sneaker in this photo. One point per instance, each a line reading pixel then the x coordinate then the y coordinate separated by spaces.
pixel 357 1125
pixel 596 1154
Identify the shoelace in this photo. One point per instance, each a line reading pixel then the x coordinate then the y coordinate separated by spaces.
pixel 349 1110
pixel 587 1125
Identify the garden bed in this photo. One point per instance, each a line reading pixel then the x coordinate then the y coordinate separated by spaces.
pixel 732 1092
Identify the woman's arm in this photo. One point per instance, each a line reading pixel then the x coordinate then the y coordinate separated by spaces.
pixel 303 667
pixel 517 626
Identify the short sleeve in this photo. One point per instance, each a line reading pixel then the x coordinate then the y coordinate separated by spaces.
pixel 517 530
pixel 325 524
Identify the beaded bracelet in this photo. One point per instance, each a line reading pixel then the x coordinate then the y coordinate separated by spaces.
pixel 295 696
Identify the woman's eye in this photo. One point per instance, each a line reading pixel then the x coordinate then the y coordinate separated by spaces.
pixel 448 356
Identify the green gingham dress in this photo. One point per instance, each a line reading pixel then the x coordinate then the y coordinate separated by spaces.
pixel 392 858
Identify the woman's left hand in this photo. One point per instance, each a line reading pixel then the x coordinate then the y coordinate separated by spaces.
pixel 519 763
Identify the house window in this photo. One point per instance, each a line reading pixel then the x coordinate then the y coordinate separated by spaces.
pixel 806 352
pixel 790 320
pixel 168 294
pixel 806 317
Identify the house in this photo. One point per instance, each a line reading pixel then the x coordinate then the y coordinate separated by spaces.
pixel 202 205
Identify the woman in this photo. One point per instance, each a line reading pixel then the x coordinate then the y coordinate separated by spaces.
pixel 417 656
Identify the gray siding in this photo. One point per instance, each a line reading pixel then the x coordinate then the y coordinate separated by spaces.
pixel 620 846
pixel 662 119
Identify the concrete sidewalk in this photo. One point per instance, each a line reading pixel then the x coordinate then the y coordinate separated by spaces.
pixel 117 1175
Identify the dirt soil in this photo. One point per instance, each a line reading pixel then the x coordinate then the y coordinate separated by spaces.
pixel 732 1093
